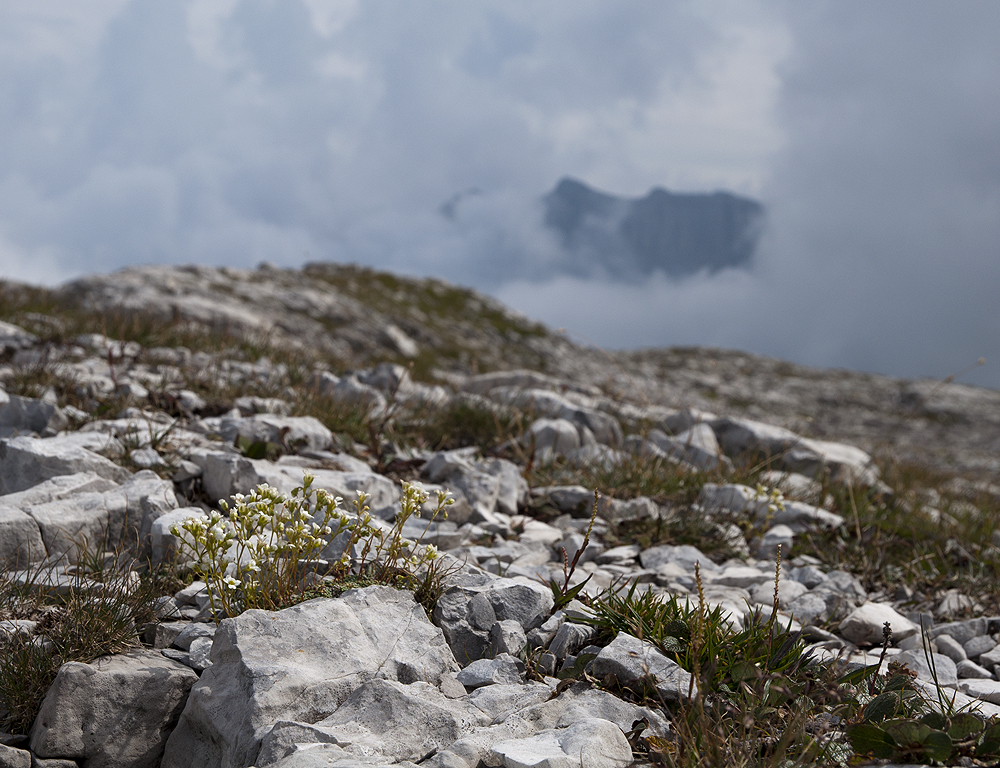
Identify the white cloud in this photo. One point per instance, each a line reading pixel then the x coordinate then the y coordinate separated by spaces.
pixel 335 118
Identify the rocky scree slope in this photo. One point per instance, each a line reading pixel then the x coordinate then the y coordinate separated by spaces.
pixel 106 443
pixel 354 317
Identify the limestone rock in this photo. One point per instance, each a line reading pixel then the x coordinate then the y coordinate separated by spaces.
pixel 28 461
pixel 683 555
pixel 503 670
pixel 115 711
pixel 294 433
pixel 507 637
pixel 25 414
pixel 775 538
pixel 301 664
pixel 794 452
pixel 591 743
pixel 943 668
pixel 59 487
pixel 951 648
pixel 467 611
pixel 570 638
pixel 864 625
pixel 970 670
pixel 552 437
pixel 696 445
pixel 574 705
pixel 20 539
pixel 14 337
pixel 630 660
pixel 163 543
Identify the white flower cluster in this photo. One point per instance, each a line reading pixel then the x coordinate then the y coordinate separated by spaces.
pixel 251 558
pixel 257 555
pixel 774 498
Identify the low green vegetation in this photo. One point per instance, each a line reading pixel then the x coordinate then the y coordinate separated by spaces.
pixel 895 540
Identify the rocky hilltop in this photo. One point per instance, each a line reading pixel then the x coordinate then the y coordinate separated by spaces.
pixel 345 316
pixel 778 562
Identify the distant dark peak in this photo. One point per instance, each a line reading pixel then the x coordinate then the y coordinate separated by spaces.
pixel 679 234
pixel 571 201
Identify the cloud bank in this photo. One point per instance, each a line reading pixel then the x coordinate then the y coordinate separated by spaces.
pixel 883 246
pixel 230 131
pixel 236 131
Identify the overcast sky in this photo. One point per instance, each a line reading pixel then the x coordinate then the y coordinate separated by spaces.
pixel 236 131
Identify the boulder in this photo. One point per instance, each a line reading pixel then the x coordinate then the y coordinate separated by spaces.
pixel 59 487
pixel 807 609
pixel 632 661
pixel 485 383
pixel 864 625
pixel 549 438
pixel 383 718
pixel 25 414
pixel 350 391
pixel 301 664
pixel 591 743
pixel 27 461
pixel 788 591
pixel 122 515
pixel 115 711
pixel 467 479
pixel 962 631
pixel 250 405
pixel 504 669
pixel 775 538
pixel 969 670
pixel 936 666
pixel 512 489
pixel 14 337
pixel 20 539
pixel 467 611
pixel 517 717
pixel 730 497
pixel 294 433
pixel 571 499
pixel 323 755
pixel 696 445
pixel 147 498
pixel 85 521
pixel 226 474
pixel 507 637
pixel 383 493
pixel 683 555
pixel 570 638
pixel 792 452
pixel 11 757
pixel 799 517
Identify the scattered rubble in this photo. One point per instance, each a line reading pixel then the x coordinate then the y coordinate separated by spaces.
pixel 368 678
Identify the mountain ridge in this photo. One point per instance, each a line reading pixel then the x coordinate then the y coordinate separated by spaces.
pixel 678 234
